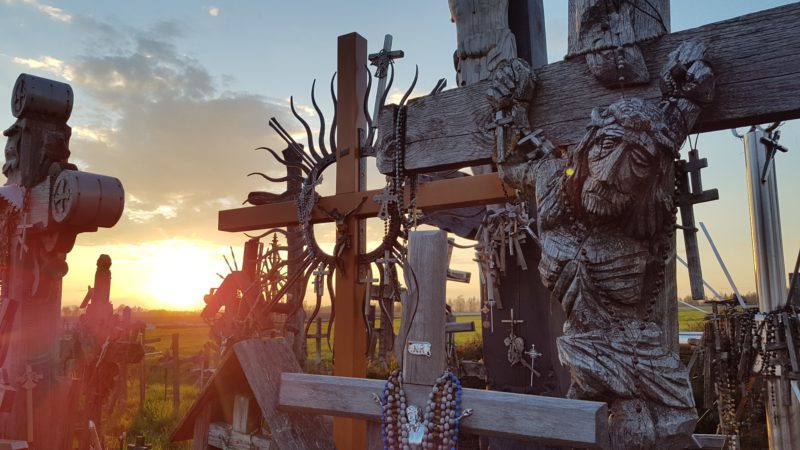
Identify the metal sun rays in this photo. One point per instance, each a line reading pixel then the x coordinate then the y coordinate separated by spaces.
pixel 305 166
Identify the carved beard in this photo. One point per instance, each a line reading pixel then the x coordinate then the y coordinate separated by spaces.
pixel 600 199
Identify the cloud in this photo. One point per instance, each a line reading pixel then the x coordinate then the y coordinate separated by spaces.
pixel 53 12
pixel 155 118
pixel 48 64
pixel 213 11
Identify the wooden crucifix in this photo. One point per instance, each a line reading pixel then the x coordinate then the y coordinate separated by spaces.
pixel 545 420
pixel 45 203
pixel 611 68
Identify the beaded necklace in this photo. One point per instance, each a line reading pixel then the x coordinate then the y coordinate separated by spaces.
pixel 401 424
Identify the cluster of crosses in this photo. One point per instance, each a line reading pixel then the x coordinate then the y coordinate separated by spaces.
pixel 448 130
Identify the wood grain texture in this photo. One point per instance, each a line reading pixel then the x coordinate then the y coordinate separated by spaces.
pixel 427 253
pixel 449 129
pixel 262 362
pixel 546 420
pixel 222 435
pixel 431 196
pixel 201 428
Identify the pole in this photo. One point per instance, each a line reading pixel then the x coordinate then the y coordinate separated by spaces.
pixel 783 415
pixel 142 372
pixel 176 375
pixel 350 346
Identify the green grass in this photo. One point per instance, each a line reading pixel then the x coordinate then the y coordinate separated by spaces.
pixel 690 319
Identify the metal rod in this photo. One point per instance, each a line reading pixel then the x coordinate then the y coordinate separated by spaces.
pixel 722 264
pixel 713 291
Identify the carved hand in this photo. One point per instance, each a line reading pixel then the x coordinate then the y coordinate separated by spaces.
pixel 688 74
pixel 511 83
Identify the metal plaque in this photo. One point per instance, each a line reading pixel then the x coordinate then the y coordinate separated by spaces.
pixel 419 348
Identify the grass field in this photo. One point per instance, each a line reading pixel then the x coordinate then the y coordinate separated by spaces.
pixel 156 419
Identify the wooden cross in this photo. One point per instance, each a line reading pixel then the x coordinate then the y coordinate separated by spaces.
pixel 544 420
pixel 449 130
pixel 691 188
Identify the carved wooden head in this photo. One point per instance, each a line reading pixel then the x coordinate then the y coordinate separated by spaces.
pixel 11 166
pixel 622 163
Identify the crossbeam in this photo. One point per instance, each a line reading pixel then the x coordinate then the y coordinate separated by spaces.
pixel 450 129
pixel 431 196
pixel 545 420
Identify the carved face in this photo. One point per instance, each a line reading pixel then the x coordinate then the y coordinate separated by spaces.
pixel 11 153
pixel 620 163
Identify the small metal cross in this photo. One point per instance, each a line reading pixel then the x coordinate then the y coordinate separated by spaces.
pixel 319 280
pixel 384 198
pixel 28 381
pixel 512 321
pixel 23 238
pixel 533 354
pixel 381 61
pixel 388 261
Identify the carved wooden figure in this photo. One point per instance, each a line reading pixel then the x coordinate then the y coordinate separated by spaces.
pixel 45 203
pixel 606 210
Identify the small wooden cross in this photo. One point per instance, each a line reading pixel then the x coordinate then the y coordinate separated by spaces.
pixel 28 381
pixel 691 187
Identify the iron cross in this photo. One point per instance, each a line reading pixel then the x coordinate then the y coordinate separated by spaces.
pixel 533 354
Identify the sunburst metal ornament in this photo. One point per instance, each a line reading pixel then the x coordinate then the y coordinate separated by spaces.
pixel 312 159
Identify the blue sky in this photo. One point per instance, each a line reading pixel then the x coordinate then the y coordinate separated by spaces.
pixel 172 96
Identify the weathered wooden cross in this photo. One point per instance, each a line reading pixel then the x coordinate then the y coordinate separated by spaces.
pixel 452 129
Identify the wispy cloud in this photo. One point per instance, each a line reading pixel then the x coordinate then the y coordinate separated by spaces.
pixel 213 11
pixel 48 64
pixel 51 11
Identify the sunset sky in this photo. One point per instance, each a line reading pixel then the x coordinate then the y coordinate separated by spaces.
pixel 173 96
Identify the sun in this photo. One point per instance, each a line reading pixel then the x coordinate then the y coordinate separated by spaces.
pixel 179 273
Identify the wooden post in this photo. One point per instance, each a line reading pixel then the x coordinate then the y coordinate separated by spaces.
pixel 142 375
pixel 176 374
pixel 427 253
pixel 350 345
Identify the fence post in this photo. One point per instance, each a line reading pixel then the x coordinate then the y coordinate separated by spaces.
pixel 176 375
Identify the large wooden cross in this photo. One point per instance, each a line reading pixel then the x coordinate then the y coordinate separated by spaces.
pixel 452 129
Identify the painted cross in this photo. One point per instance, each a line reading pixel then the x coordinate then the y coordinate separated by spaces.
pixel 545 420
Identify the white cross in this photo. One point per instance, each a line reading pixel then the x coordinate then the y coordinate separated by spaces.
pixel 384 198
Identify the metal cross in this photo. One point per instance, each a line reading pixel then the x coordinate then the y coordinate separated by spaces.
pixel 28 381
pixel 384 198
pixel 23 238
pixel 319 280
pixel 533 354
pixel 388 260
pixel 381 61
pixel 512 321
